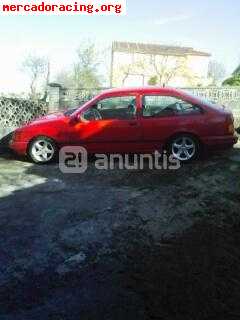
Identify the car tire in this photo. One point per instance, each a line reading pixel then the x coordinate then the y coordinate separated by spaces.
pixel 42 150
pixel 184 147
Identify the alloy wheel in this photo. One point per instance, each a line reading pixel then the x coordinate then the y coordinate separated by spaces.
pixel 184 148
pixel 42 151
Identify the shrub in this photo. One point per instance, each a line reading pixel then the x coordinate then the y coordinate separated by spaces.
pixel 233 81
pixel 153 81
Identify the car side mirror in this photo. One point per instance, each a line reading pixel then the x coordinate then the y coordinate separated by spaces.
pixel 76 118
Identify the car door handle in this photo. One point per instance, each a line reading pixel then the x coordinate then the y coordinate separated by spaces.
pixel 133 123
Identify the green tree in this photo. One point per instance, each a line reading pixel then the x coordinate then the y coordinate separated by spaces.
pixel 85 73
pixel 232 81
pixel 237 71
pixel 153 81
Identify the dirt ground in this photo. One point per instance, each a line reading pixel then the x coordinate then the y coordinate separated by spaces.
pixel 119 244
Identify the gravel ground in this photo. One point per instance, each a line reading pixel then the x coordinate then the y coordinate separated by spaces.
pixel 117 244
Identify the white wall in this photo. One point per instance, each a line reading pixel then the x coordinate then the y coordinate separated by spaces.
pixel 140 70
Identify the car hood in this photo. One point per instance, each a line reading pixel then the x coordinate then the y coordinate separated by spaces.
pixel 48 118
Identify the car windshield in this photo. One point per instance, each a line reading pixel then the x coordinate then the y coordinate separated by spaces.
pixel 70 111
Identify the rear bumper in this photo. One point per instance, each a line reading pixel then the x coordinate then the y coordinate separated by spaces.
pixel 220 142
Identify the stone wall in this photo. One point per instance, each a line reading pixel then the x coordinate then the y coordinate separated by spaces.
pixel 60 98
pixel 16 112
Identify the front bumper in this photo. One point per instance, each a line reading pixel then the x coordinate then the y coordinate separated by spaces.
pixel 19 147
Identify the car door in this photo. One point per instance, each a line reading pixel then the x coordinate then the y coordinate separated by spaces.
pixel 109 125
pixel 163 116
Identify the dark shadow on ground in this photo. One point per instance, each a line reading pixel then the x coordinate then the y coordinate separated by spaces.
pixel 5 141
pixel 195 275
pixel 5 151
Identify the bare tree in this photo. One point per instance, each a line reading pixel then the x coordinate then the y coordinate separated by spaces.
pixel 37 68
pixel 126 70
pixel 163 68
pixel 216 71
pixel 136 66
pixel 167 67
pixel 46 81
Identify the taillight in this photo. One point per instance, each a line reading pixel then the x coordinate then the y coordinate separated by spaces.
pixel 230 124
pixel 231 129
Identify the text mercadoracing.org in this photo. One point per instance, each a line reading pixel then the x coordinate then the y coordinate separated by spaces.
pixel 85 7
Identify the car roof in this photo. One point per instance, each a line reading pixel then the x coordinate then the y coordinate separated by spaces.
pixel 143 90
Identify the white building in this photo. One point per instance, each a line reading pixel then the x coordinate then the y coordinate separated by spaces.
pixel 136 64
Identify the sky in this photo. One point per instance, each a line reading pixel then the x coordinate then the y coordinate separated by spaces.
pixel 209 25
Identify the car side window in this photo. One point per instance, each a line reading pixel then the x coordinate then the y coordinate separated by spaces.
pixel 122 108
pixel 160 106
pixel 90 115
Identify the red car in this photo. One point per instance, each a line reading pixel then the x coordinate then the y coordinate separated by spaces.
pixel 131 120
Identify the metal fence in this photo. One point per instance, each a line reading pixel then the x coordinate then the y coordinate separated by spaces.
pixel 229 97
pixel 217 94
